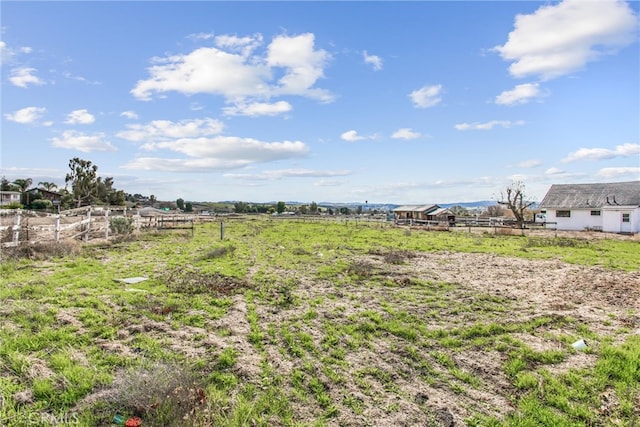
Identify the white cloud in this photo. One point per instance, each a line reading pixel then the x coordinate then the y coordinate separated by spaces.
pixel 488 125
pixel 243 45
pixel 28 115
pixel 80 117
pixel 83 142
pixel 303 63
pixel 624 150
pixel 70 76
pixel 632 172
pixel 554 171
pixel 352 136
pixel 129 115
pixel 426 96
pixel 521 94
pixel 7 54
pixel 258 109
pixel 289 173
pixel 531 163
pixel 562 38
pixel 238 76
pixel 374 60
pixel 218 153
pixel 200 36
pixel 162 130
pixel 23 76
pixel 405 133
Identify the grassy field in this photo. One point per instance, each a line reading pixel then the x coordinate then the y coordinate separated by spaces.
pixel 291 323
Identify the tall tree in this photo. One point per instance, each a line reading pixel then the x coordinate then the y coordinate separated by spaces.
pixel 48 185
pixel 22 185
pixel 83 179
pixel 313 207
pixel 515 199
pixel 280 207
pixel 180 204
pixel 5 185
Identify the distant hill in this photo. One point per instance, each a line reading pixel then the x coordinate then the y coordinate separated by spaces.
pixel 478 204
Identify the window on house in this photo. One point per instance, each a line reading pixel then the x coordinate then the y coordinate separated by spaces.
pixel 595 213
pixel 563 214
pixel 626 218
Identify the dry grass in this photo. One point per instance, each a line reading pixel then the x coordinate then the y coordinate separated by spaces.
pixel 42 251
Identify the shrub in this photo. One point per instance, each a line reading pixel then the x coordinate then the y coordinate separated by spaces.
pixel 121 225
pixel 161 394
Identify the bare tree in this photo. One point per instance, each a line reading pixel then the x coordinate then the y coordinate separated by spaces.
pixel 495 211
pixel 515 199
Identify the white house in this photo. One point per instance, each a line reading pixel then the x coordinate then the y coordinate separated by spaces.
pixel 9 197
pixel 611 207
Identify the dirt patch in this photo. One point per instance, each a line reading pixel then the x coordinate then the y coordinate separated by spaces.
pixel 515 289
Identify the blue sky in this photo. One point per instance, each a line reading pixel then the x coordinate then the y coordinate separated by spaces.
pixel 389 102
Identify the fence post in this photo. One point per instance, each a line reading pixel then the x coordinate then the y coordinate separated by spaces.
pixel 222 230
pixel 16 228
pixel 56 229
pixel 86 234
pixel 106 222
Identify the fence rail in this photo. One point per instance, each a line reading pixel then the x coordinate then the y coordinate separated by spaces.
pixel 86 224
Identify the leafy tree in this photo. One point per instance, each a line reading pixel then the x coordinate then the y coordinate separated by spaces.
pixel 515 199
pixel 5 185
pixel 50 186
pixel 188 207
pixel 359 209
pixel 313 207
pixel 345 210
pixel 280 207
pixel 105 193
pixel 83 179
pixel 180 204
pixel 240 207
pixel 303 209
pixel 23 184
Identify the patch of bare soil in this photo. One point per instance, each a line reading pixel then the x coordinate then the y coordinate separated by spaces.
pixel 597 298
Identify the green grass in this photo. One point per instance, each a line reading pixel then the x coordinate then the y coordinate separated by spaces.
pixel 298 323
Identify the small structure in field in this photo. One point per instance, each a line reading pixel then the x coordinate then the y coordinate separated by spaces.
pixel 423 214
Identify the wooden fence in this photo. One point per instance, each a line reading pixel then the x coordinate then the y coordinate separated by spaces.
pixel 85 224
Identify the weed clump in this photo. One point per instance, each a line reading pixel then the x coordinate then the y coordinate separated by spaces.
pixel 562 242
pixel 217 253
pixel 194 281
pixel 161 393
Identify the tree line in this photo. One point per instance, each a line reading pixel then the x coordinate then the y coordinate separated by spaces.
pixel 83 187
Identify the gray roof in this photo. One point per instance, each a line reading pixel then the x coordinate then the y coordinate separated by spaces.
pixel 416 208
pixel 585 196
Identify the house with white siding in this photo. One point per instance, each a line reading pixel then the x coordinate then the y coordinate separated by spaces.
pixel 611 207
pixel 9 197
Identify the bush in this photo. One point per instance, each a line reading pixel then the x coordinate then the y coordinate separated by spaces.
pixel 121 225
pixel 41 204
pixel 161 394
pixel 12 205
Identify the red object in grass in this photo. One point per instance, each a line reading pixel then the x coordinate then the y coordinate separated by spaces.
pixel 133 422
